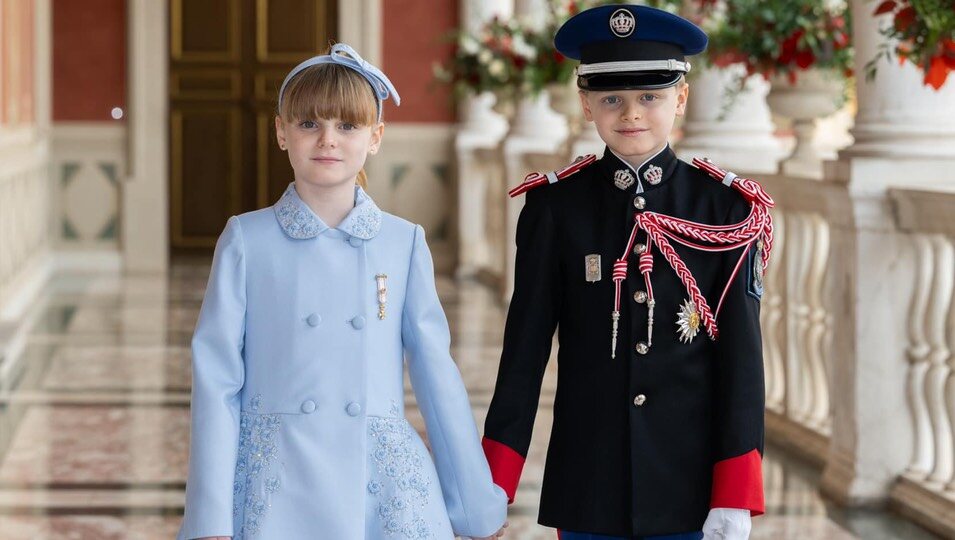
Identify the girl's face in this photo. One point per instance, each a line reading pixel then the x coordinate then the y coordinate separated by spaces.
pixel 635 123
pixel 327 152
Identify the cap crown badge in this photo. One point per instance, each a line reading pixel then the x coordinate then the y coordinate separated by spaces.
pixel 622 23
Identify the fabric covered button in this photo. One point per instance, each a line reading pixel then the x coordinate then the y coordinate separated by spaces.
pixel 353 409
pixel 313 320
pixel 355 241
pixel 358 322
pixel 308 406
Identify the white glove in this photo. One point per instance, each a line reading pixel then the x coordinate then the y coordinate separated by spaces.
pixel 727 524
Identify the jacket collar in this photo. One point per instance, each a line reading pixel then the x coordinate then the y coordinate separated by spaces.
pixel 300 222
pixel 651 174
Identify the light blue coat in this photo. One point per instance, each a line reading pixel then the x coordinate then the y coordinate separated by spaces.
pixel 298 427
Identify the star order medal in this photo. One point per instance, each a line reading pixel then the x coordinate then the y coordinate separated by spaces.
pixel 688 321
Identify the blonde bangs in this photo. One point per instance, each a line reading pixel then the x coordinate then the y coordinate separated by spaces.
pixel 326 91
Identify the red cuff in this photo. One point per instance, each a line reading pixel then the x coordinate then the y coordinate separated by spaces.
pixel 506 466
pixel 738 483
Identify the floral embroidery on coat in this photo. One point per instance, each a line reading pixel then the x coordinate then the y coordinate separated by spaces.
pixel 299 222
pixel 257 451
pixel 365 223
pixel 402 486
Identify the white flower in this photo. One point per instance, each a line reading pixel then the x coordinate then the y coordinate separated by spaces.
pixel 468 44
pixel 523 48
pixel 485 56
pixel 496 69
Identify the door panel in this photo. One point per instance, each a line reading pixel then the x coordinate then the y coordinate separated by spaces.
pixel 227 59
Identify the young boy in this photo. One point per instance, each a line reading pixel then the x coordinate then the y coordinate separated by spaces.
pixel 658 431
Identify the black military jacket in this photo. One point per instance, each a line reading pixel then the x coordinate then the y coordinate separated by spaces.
pixel 636 440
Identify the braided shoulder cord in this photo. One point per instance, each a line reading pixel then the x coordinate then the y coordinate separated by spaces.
pixel 660 229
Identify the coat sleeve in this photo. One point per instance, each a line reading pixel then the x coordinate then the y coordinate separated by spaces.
pixel 528 333
pixel 476 507
pixel 217 379
pixel 740 396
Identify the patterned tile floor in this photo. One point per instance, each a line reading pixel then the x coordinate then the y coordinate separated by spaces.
pixel 94 426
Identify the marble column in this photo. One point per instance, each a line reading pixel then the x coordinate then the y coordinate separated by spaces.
pixel 737 134
pixel 535 129
pixel 904 136
pixel 481 129
pixel 145 202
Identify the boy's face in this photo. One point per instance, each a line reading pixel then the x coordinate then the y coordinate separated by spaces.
pixel 635 123
pixel 327 152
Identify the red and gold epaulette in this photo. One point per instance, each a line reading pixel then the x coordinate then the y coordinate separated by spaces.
pixel 536 179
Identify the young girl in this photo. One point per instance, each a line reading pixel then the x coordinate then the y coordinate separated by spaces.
pixel 298 427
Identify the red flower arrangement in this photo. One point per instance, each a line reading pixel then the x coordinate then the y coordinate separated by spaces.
pixel 924 33
pixel 509 58
pixel 772 37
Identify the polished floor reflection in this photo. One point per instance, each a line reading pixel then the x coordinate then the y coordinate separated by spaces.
pixel 94 419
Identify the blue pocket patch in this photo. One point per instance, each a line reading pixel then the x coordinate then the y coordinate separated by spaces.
pixel 754 271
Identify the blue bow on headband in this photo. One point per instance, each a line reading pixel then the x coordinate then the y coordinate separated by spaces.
pixel 344 55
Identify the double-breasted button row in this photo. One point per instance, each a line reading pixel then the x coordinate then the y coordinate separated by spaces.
pixel 314 319
pixel 352 409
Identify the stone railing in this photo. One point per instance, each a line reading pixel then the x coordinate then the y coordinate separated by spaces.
pixel 24 231
pixel 797 311
pixel 926 489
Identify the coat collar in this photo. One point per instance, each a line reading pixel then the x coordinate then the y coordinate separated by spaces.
pixel 652 173
pixel 300 222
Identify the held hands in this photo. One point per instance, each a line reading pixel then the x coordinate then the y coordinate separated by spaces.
pixel 727 524
pixel 498 534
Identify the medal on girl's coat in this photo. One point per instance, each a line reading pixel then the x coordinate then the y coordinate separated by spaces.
pixel 382 295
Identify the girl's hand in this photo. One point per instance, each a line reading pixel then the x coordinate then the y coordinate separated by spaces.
pixel 498 534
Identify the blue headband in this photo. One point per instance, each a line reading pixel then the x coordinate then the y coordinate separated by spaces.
pixel 346 56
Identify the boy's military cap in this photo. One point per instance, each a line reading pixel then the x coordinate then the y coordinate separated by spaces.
pixel 629 47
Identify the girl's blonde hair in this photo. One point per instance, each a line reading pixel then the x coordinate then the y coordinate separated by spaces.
pixel 330 91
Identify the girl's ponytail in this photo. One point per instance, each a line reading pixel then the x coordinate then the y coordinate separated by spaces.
pixel 363 179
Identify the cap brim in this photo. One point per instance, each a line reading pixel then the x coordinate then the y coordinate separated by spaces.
pixel 642 80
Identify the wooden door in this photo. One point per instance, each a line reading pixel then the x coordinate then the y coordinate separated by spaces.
pixel 227 59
